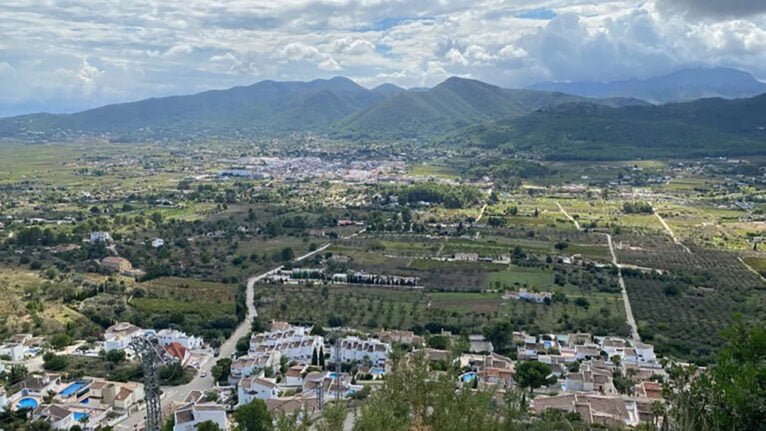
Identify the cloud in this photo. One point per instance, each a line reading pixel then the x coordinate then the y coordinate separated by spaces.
pixel 68 54
pixel 179 50
pixel 715 8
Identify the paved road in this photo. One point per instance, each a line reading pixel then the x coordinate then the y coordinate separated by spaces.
pixel 177 394
pixel 625 299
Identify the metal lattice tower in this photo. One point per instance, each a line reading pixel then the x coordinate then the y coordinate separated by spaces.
pixel 151 359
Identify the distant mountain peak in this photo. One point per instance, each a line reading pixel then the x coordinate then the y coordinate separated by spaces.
pixel 678 86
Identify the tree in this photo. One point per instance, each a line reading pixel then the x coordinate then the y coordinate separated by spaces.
pixel 53 362
pixel 17 374
pixel 243 345
pixel 314 359
pixel 321 357
pixel 728 396
pixel 221 370
pixel 49 397
pixel 499 334
pixel 533 374
pixel 60 340
pixel 333 417
pixel 253 416
pixel 287 254
pixel 171 373
pixel 296 421
pixel 115 356
pixel 440 342
pixel 208 426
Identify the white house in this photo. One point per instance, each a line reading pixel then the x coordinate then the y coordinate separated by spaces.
pixel 100 236
pixel 65 416
pixel 118 336
pixel 614 346
pixel 15 351
pixel 590 379
pixel 587 351
pixel 39 384
pixel 167 336
pixel 479 344
pixel 356 349
pixel 251 388
pixel 468 257
pixel 254 365
pixel 189 416
pixel 526 295
pixel 123 397
pixel 158 242
pixel 644 353
pixel 293 342
pixel 295 374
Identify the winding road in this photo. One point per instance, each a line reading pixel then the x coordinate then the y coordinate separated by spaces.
pixel 177 394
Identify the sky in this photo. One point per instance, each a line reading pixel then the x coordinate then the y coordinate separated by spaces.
pixel 69 55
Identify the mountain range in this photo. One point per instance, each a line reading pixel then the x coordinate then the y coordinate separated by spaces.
pixel 682 85
pixel 587 131
pixel 336 105
pixel 554 124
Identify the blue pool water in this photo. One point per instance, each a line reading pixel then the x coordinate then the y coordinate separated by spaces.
pixel 467 377
pixel 72 389
pixel 377 371
pixel 333 375
pixel 27 403
pixel 78 416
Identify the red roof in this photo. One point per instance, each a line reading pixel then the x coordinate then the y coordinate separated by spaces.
pixel 176 350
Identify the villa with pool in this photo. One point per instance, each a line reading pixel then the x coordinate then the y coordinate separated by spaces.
pixel 87 402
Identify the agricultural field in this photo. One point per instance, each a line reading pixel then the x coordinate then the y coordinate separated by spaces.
pixel 420 310
pixel 703 289
pixel 209 309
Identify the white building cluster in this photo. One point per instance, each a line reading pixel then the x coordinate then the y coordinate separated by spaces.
pixel 304 382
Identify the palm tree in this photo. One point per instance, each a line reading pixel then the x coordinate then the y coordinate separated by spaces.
pixel 49 397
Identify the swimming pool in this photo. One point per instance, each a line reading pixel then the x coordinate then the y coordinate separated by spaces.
pixel 377 371
pixel 468 377
pixel 27 403
pixel 79 416
pixel 72 389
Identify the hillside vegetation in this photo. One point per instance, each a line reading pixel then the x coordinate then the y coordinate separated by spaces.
pixel 585 131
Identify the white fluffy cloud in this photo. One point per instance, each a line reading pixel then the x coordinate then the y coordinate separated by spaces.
pixel 65 55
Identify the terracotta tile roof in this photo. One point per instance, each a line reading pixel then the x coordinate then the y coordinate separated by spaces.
pixel 176 350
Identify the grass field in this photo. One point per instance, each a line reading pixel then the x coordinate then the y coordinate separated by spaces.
pixel 515 277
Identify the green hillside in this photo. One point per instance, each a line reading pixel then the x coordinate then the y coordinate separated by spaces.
pixel 267 105
pixel 584 131
pixel 453 104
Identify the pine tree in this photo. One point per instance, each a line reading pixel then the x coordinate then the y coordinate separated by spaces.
pixel 314 359
pixel 321 357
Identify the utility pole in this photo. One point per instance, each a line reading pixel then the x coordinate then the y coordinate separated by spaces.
pixel 151 359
